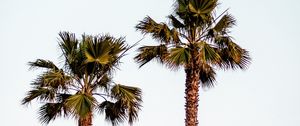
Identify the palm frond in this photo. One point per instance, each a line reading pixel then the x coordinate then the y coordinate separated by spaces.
pixel 126 93
pixel 132 110
pixel 103 53
pixel 72 52
pixel 222 26
pixel 147 53
pixel 49 111
pixel 114 112
pixel 175 36
pixel 56 79
pixel 97 51
pixel 118 46
pixel 232 55
pixel 199 7
pixel 39 93
pixel 208 53
pixel 178 56
pixel 130 97
pixel 69 45
pixel 80 104
pixel 195 13
pixel 62 99
pixel 40 63
pixel 207 75
pixel 159 31
pixel 52 79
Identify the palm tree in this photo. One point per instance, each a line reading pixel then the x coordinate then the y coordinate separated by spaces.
pixel 84 83
pixel 196 40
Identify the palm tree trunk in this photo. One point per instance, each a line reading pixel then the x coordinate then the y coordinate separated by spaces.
pixel 191 96
pixel 86 121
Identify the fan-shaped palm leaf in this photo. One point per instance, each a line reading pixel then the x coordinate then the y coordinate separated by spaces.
pixel 40 63
pixel 222 26
pixel 55 79
pixel 178 56
pixel 207 75
pixel 126 93
pixel 81 104
pixel 130 98
pixel 114 112
pixel 50 111
pixel 159 31
pixel 69 45
pixel 147 53
pixel 97 51
pixel 233 56
pixel 40 93
pixel 208 53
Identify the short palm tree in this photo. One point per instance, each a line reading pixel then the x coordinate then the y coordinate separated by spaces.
pixel 84 83
pixel 196 40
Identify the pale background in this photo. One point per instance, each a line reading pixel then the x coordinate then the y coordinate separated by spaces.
pixel 267 94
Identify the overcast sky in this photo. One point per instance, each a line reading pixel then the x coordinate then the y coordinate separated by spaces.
pixel 267 94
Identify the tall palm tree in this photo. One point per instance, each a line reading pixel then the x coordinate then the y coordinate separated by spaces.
pixel 84 83
pixel 197 40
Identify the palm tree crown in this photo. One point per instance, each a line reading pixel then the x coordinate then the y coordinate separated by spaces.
pixel 84 83
pixel 196 40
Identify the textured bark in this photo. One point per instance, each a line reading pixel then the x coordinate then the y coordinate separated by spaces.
pixel 191 97
pixel 87 121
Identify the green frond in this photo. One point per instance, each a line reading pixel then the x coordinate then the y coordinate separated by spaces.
pixel 114 112
pixel 159 31
pixel 208 53
pixel 207 75
pixel 195 13
pixel 103 59
pixel 81 104
pixel 147 53
pixel 222 26
pixel 39 93
pixel 120 111
pixel 130 97
pixel 232 55
pixel 126 93
pixel 178 56
pixel 55 79
pixel 180 6
pixel 69 45
pixel 71 52
pixel 201 7
pixel 132 110
pixel 49 111
pixel 97 51
pixel 175 36
pixel 118 46
pixel 40 63
pixel 103 53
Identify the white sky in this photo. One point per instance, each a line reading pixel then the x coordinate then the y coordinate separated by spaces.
pixel 267 94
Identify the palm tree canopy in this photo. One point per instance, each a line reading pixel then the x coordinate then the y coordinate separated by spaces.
pixel 84 83
pixel 194 34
